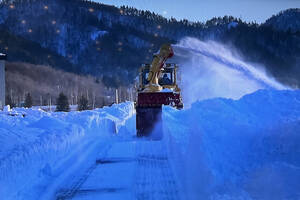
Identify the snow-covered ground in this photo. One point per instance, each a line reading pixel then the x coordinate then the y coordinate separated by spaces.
pixel 41 146
pixel 217 149
pixel 237 149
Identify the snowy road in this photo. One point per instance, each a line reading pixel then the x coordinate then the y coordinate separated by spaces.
pixel 125 170
pixel 218 149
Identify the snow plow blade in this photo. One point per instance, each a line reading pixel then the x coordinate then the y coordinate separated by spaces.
pixel 148 122
pixel 149 112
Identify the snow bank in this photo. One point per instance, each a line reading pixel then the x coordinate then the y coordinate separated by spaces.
pixel 31 144
pixel 237 149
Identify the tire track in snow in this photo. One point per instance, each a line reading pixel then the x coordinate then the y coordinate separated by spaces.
pixel 154 176
pixel 70 193
pixel 151 178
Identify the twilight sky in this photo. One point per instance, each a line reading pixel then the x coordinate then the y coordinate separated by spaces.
pixel 202 10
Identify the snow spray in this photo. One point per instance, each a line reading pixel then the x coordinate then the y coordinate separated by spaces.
pixel 209 70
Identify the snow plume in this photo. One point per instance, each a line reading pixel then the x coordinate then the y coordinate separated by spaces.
pixel 210 69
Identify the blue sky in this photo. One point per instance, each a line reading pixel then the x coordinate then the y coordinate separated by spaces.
pixel 202 10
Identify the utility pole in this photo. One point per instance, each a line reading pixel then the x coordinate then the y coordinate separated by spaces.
pixel 50 104
pixel 2 80
pixel 41 100
pixel 76 97
pixel 117 97
pixel 131 94
pixel 94 100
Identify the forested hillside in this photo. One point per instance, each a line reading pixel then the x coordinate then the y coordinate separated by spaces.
pixel 45 83
pixel 110 43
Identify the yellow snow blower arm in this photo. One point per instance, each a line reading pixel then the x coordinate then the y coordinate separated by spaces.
pixel 158 62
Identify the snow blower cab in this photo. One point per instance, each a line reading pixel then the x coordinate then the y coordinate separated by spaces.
pixel 157 87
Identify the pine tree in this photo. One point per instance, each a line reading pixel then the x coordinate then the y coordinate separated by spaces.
pixel 83 103
pixel 28 101
pixel 62 103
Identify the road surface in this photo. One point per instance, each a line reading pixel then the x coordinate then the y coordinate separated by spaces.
pixel 124 170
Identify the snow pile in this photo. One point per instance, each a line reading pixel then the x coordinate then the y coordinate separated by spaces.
pixel 237 149
pixel 210 69
pixel 36 144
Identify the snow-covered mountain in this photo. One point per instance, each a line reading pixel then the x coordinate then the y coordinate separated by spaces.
pixel 111 42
